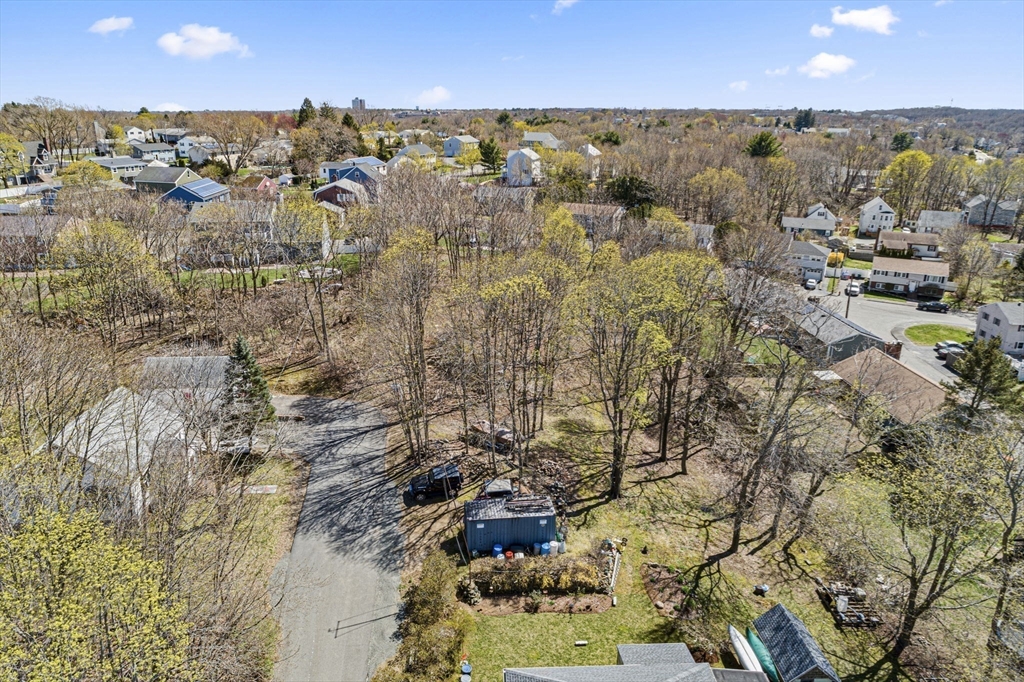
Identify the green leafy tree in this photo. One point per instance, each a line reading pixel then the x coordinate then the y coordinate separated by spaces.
pixel 763 145
pixel 904 180
pixel 469 158
pixel 327 111
pixel 84 173
pixel 10 164
pixel 143 111
pixel 490 155
pixel 349 121
pixel 307 113
pixel 504 119
pixel 986 376
pixel 77 605
pixel 804 119
pixel 246 395
pixel 633 192
pixel 901 142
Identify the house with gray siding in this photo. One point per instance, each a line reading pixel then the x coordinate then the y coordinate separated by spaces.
pixel 533 140
pixel 1005 320
pixel 163 180
pixel 459 144
pixel 826 333
pixel 982 211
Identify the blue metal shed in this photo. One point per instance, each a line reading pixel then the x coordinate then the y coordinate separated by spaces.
pixel 508 521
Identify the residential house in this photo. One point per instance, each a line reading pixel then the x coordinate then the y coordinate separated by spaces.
pixel 982 211
pixel 210 151
pixel 495 199
pixel 819 211
pixel 591 160
pixel 342 193
pixel 183 146
pixel 413 134
pixel 459 144
pixel 364 173
pixel 201 191
pixel 1005 320
pixel 133 133
pixel 822 227
pixel 37 165
pixel 796 655
pixel 907 396
pixel 120 167
pixel 838 132
pixel 372 162
pixel 938 221
pixel 533 140
pixel 603 218
pixel 150 151
pixel 916 244
pixel 522 168
pixel 809 260
pixel 1006 252
pixel 875 216
pixel 831 334
pixel 163 180
pixel 261 183
pixel 168 135
pixel 671 662
pixel 905 276
pixel 418 152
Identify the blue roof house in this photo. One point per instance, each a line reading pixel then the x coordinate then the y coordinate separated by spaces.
pixel 203 191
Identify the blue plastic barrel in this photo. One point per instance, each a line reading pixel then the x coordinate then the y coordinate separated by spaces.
pixel 497 551
pixel 536 549
pixel 545 549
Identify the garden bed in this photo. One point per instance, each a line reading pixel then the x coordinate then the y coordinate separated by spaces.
pixel 662 585
pixel 545 603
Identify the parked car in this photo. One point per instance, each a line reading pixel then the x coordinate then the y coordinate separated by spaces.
pixel 811 284
pixel 853 289
pixel 858 275
pixel 942 348
pixel 933 306
pixel 443 481
pixel 845 276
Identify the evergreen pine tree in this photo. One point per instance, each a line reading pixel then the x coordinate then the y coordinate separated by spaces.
pixel 349 121
pixel 307 112
pixel 986 376
pixel 247 397
pixel 383 153
pixel 327 111
pixel 490 155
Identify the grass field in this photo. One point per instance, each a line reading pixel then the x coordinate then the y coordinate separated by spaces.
pixel 930 334
pixel 857 264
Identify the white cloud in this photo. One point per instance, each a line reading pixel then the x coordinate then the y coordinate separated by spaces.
pixel 877 19
pixel 562 5
pixel 819 31
pixel 111 24
pixel 777 72
pixel 169 106
pixel 434 96
pixel 201 42
pixel 823 65
pixel 738 86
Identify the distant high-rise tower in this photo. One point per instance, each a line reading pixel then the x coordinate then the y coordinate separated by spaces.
pixel 358 104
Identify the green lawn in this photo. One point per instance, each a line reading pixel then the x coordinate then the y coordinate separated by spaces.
pixel 857 264
pixel 930 334
pixel 998 237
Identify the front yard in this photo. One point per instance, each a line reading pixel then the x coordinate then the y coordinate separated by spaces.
pixel 930 334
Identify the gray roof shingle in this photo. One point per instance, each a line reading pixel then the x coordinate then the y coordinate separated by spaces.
pixel 792 647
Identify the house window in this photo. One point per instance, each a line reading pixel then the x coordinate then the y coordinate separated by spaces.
pixel 981 333
pixel 984 316
pixel 1019 345
pixel 996 321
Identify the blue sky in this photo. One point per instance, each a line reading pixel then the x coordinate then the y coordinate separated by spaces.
pixel 573 53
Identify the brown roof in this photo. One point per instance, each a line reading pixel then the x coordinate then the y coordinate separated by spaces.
pixel 603 210
pixel 925 238
pixel 917 267
pixel 909 397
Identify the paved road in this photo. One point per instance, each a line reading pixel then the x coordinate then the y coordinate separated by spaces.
pixel 339 584
pixel 888 319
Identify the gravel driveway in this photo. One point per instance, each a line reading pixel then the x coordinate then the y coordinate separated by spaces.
pixel 338 587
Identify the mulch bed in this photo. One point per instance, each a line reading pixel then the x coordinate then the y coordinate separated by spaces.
pixel 661 586
pixel 506 605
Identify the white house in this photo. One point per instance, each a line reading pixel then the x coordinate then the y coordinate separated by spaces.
pixel 546 140
pixel 1005 320
pixel 819 220
pixel 819 211
pixel 136 134
pixel 591 160
pixel 183 146
pixel 906 276
pixel 418 152
pixel 920 244
pixel 522 168
pixel 459 144
pixel 808 260
pixel 875 216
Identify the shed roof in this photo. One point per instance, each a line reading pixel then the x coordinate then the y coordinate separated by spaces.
pixel 527 506
pixel 909 397
pixel 791 646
